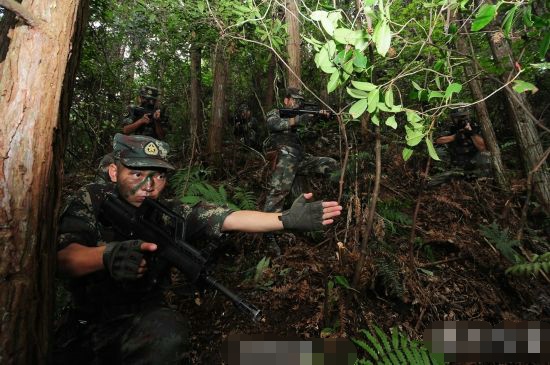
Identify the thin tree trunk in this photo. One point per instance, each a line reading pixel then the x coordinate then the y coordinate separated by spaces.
pixel 269 96
pixel 219 115
pixel 36 76
pixel 520 117
pixel 293 45
pixel 195 107
pixel 464 46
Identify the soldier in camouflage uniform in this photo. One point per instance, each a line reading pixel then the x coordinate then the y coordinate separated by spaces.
pixel 246 127
pixel 146 118
pixel 118 314
pixel 291 159
pixel 464 148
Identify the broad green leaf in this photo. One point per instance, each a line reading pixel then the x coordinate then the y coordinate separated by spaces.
pixel 484 16
pixel 373 99
pixel 348 67
pixel 388 97
pixel 363 85
pixel 383 107
pixel 319 15
pixel 451 89
pixel 347 36
pixel 407 153
pixel 431 149
pixel 527 16
pixel 331 48
pixel 544 45
pixel 358 108
pixel 357 94
pixel 382 37
pixel 413 137
pixel 333 82
pixel 328 26
pixel 438 66
pixel 396 108
pixel 362 43
pixel 341 280
pixel 360 60
pixel 413 116
pixel 509 20
pixel 416 86
pixel 374 119
pixel 523 86
pixel 435 94
pixel 323 62
pixel 313 41
pixel 390 122
pixel 438 81
pixel 369 2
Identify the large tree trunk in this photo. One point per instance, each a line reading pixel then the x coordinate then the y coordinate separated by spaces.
pixel 521 118
pixel 36 77
pixel 219 115
pixel 293 45
pixel 470 70
pixel 269 96
pixel 196 114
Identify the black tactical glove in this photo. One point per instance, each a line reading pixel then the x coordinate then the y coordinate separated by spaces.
pixel 122 259
pixel 303 215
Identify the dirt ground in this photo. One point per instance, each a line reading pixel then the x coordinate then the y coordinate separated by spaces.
pixel 451 271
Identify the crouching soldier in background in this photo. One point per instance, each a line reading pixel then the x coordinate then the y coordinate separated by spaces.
pixel 464 148
pixel 117 281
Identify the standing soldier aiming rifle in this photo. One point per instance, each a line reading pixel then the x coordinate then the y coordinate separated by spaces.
pixel 464 148
pixel 146 118
pixel 290 159
pixel 117 275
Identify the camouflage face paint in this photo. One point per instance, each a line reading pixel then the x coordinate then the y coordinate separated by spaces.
pixel 148 180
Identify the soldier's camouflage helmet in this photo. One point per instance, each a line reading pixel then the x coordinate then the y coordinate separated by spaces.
pixel 141 151
pixel 149 92
pixel 244 108
pixel 461 112
pixel 294 93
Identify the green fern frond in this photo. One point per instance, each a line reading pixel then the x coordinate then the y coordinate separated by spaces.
pixel 245 199
pixel 400 351
pixel 500 239
pixel 539 264
pixel 389 273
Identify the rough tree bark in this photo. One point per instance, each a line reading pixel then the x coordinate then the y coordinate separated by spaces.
pixel 269 96
pixel 293 44
pixel 219 115
pixel 463 45
pixel 195 107
pixel 36 74
pixel 521 117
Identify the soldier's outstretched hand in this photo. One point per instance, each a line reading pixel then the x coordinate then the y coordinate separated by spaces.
pixel 307 215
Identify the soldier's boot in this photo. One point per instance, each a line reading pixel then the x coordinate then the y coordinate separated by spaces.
pixel 271 244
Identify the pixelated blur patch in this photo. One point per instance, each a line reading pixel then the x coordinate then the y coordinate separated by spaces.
pixel 478 341
pixel 267 349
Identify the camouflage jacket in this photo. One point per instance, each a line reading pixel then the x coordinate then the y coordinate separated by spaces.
pixel 81 223
pixel 281 134
pixel 147 129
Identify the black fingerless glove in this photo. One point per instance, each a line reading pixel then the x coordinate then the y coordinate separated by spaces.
pixel 122 259
pixel 303 215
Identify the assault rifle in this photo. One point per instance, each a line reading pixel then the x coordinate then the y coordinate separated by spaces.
pixel 140 111
pixel 143 223
pixel 305 108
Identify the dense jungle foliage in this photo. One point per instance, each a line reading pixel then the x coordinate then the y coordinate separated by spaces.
pixel 403 254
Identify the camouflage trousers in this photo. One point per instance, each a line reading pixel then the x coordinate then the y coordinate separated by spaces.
pixel 480 163
pixel 156 335
pixel 291 163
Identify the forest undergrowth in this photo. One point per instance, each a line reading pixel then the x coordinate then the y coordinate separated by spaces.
pixel 455 268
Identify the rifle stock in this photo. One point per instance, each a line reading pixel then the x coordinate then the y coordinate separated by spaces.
pixel 138 224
